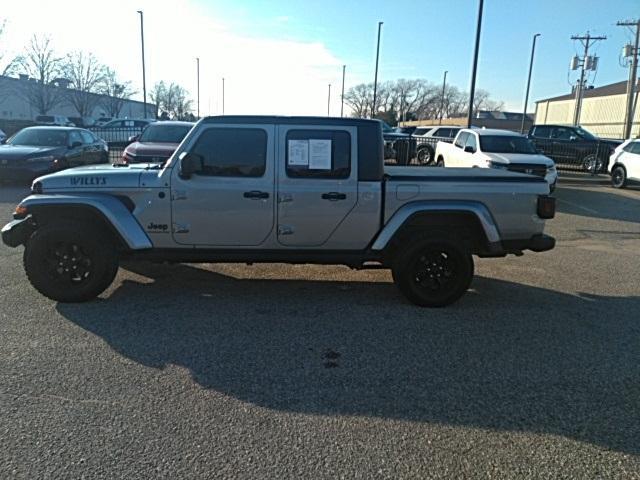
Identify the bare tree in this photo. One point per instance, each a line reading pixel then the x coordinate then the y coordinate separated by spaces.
pixel 43 68
pixel 85 75
pixel 171 99
pixel 7 67
pixel 360 99
pixel 115 93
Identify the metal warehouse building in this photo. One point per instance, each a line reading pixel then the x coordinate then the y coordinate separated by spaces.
pixel 603 110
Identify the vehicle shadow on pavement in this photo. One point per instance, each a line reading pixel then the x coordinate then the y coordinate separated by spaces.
pixel 507 357
pixel 605 203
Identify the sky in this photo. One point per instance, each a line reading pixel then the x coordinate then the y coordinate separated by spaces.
pixel 279 56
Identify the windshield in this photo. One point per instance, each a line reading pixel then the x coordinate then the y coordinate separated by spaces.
pixel 164 133
pixel 40 138
pixel 585 134
pixel 505 144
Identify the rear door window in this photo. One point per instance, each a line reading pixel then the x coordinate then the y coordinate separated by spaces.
pixel 332 157
pixel 87 138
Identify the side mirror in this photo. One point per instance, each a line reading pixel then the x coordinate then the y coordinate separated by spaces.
pixel 469 149
pixel 75 145
pixel 133 138
pixel 190 163
pixel 573 138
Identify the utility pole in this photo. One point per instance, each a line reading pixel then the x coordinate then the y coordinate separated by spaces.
pixel 144 79
pixel 526 95
pixel 472 93
pixel 222 95
pixel 344 67
pixel 633 53
pixel 198 83
pixel 375 81
pixel 329 102
pixel 444 86
pixel 586 63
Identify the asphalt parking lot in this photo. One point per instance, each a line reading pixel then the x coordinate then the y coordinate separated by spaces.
pixel 275 371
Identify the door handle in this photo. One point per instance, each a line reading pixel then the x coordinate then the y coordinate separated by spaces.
pixel 334 196
pixel 256 194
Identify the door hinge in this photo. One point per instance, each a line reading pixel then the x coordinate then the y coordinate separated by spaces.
pixel 179 195
pixel 285 230
pixel 181 228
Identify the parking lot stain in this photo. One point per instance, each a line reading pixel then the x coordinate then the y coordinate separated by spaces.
pixel 331 358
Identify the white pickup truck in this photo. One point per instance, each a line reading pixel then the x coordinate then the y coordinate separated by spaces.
pixel 500 149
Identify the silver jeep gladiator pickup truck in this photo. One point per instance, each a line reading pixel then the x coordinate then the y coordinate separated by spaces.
pixel 278 189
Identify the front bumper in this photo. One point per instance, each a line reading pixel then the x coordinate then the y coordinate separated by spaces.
pixel 23 173
pixel 17 232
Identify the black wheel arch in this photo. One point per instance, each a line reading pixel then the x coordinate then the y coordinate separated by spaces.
pixel 463 226
pixel 85 214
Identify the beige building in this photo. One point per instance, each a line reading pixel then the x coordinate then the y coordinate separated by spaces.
pixel 603 111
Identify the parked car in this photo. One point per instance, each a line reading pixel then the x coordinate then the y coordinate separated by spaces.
pixel 120 130
pixel 156 143
pixel 84 122
pixel 397 146
pixel 54 120
pixel 573 146
pixel 102 120
pixel 499 149
pixel 3 136
pixel 428 136
pixel 624 163
pixel 35 151
pixel 279 189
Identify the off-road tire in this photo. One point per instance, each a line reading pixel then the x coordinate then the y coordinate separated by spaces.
pixel 426 155
pixel 618 177
pixel 432 271
pixel 87 248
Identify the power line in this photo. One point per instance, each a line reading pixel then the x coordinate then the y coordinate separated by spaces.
pixel 632 52
pixel 585 63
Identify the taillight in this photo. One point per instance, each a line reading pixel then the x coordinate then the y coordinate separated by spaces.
pixel 546 206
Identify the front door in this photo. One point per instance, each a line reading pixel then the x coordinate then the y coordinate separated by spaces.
pixel 317 182
pixel 230 202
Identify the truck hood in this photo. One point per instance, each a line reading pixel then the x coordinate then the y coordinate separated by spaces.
pixel 96 177
pixel 514 158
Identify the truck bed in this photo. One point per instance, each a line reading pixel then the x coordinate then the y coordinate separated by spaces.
pixel 505 194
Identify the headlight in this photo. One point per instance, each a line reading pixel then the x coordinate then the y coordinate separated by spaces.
pixel 498 165
pixel 48 158
pixel 551 168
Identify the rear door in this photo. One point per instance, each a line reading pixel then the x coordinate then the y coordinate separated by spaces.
pixel 230 202
pixel 632 160
pixel 317 182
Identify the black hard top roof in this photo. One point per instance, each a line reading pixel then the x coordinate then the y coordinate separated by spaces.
pixel 268 119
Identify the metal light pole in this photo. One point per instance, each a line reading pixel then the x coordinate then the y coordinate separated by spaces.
pixel 222 95
pixel 329 102
pixel 444 86
pixel 144 78
pixel 472 93
pixel 526 95
pixel 344 67
pixel 198 83
pixel 375 81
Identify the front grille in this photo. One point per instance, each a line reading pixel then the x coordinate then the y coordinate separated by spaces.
pixel 148 158
pixel 528 168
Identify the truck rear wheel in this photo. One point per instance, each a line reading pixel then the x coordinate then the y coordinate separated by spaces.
pixel 433 271
pixel 68 262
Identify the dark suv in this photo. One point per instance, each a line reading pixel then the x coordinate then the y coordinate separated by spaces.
pixel 573 147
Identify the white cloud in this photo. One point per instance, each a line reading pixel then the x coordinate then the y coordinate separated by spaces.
pixel 262 75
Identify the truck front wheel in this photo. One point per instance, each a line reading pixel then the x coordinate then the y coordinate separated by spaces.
pixel 433 271
pixel 69 262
